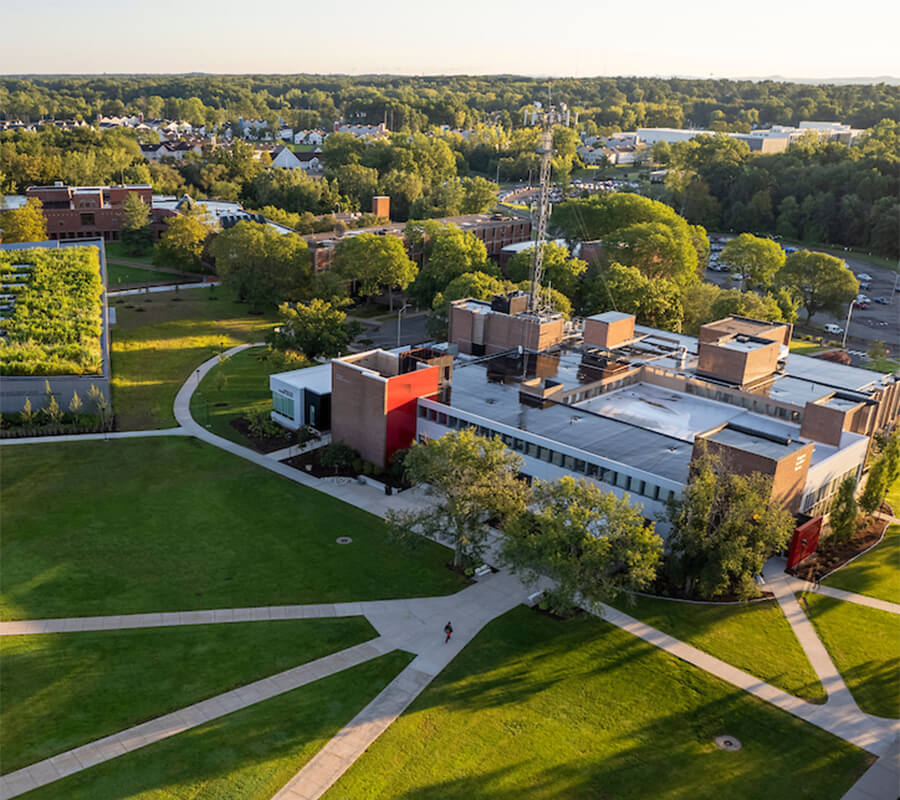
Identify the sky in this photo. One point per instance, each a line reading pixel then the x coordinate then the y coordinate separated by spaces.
pixel 697 38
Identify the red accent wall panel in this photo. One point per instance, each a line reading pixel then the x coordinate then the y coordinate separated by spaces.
pixel 400 406
pixel 805 541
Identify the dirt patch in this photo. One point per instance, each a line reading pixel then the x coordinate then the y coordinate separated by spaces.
pixel 832 555
pixel 264 444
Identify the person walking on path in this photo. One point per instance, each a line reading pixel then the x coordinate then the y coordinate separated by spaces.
pixel 448 632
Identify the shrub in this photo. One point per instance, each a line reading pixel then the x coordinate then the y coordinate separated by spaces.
pixel 263 426
pixel 337 455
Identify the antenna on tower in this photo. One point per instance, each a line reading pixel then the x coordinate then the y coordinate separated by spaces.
pixel 548 117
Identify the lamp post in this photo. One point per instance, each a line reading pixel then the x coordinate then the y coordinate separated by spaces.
pixel 847 326
pixel 399 316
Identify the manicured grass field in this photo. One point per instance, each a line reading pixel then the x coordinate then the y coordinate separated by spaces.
pixel 538 708
pixel 116 251
pixel 246 390
pixel 247 755
pixel 754 637
pixel 865 646
pixel 893 497
pixel 172 524
pixel 63 690
pixel 876 573
pixel 119 276
pixel 157 345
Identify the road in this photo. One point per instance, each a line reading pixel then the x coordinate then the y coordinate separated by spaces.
pixel 383 333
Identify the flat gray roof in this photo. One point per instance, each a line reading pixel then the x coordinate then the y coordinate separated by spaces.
pixel 610 316
pixel 756 444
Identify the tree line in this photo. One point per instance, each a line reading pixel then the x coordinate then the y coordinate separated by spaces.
pixel 415 103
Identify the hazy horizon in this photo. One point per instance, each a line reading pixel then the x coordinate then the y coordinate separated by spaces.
pixel 696 40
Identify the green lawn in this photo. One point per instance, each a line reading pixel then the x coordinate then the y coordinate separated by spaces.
pixel 865 646
pixel 882 365
pixel 840 252
pixel 235 388
pixel 172 524
pixel 116 251
pixel 754 637
pixel 893 497
pixel 118 276
pixel 536 708
pixel 63 690
pixel 876 573
pixel 157 345
pixel 247 755
pixel 805 348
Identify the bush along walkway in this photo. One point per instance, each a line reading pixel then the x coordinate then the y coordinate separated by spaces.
pixel 416 626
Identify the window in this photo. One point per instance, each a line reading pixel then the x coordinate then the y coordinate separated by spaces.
pixel 87 219
pixel 592 470
pixel 283 405
pixel 442 418
pixel 423 412
pixel 569 463
pixel 532 450
pixel 579 465
pixel 519 445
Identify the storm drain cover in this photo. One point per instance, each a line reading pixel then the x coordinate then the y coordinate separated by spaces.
pixel 347 540
pixel 727 743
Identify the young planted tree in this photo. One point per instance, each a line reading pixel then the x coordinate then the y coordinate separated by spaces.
pixel 590 542
pixel 724 528
pixel 474 479
pixel 844 512
pixel 876 486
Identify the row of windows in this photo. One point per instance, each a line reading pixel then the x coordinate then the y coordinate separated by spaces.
pixel 751 403
pixel 820 500
pixel 563 460
pixel 283 405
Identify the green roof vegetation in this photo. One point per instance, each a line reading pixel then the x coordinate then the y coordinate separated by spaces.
pixel 51 311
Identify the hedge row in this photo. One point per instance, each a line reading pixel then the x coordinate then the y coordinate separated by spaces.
pixel 56 323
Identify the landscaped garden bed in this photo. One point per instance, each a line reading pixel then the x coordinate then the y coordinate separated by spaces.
pixel 340 461
pixel 833 554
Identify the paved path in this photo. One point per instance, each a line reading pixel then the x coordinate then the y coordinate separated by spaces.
pixel 166 288
pixel 109 747
pixel 853 597
pixel 415 625
pixel 882 780
pixel 93 437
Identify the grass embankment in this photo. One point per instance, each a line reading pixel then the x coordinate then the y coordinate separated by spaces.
pixel 865 646
pixel 159 342
pixel 754 637
pixel 876 573
pixel 172 524
pixel 805 348
pixel 247 755
pixel 538 708
pixel 235 388
pixel 64 690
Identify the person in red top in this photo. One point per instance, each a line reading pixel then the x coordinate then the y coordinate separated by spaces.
pixel 448 632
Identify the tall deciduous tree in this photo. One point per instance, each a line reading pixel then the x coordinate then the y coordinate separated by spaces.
pixel 561 272
pixel 374 262
pixel 24 224
pixel 182 243
pixel 317 328
pixel 724 528
pixel 822 282
pixel 449 253
pixel 654 302
pixel 474 479
pixel 261 265
pixel 590 542
pixel 136 234
pixel 755 258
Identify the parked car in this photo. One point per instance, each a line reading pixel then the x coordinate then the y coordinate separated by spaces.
pixel 885 301
pixel 863 276
pixel 861 305
pixel 861 298
pixel 834 329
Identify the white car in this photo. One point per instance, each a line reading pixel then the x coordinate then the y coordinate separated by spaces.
pixel 736 276
pixel 864 277
pixel 833 329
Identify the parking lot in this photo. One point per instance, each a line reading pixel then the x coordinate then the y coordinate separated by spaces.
pixel 877 323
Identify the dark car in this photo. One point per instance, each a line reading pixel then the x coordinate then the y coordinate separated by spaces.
pixel 883 301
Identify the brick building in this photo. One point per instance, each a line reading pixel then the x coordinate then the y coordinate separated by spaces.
pixel 92 212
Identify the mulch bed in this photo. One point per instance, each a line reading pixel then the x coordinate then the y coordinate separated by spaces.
pixel 832 555
pixel 264 444
pixel 311 458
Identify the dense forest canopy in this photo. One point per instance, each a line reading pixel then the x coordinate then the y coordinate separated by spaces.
pixel 415 103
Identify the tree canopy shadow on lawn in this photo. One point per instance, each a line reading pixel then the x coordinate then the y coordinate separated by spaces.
pixel 615 718
pixel 246 755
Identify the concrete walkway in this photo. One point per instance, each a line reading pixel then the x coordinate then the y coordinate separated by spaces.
pixel 414 625
pixel 169 287
pixel 109 747
pixel 882 780
pixel 93 437
pixel 853 597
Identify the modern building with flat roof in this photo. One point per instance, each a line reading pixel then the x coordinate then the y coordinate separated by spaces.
pixel 627 406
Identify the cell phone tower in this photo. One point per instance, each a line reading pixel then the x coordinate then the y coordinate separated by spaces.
pixel 548 117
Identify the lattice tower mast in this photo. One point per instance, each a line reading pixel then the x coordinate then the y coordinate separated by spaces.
pixel 549 117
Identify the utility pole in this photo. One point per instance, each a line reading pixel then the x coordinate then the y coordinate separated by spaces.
pixel 847 326
pixel 549 117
